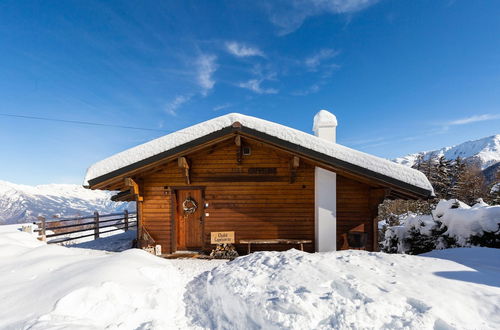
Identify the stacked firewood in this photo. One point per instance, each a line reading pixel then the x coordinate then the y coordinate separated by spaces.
pixel 224 251
pixel 149 249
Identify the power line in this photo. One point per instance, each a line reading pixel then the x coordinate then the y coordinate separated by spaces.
pixel 81 122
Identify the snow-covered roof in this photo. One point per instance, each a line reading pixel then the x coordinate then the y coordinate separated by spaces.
pixel 149 149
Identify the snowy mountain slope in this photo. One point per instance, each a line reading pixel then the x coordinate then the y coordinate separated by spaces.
pixel 484 152
pixel 22 203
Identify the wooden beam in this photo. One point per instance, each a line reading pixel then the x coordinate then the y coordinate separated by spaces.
pixel 135 192
pixel 134 189
pixel 239 150
pixel 294 165
pixel 377 196
pixel 183 164
pixel 124 196
pixel 237 140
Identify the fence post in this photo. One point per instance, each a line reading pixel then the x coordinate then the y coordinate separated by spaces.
pixel 125 217
pixel 96 225
pixel 43 236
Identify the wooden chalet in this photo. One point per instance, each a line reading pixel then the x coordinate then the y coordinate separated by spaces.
pixel 257 180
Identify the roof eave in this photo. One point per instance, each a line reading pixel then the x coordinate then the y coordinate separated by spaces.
pixel 237 127
pixel 165 154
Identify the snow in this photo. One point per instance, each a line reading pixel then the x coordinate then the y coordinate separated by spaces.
pixel 424 222
pixel 465 221
pixel 55 287
pixel 482 260
pixel 22 203
pixel 461 222
pixel 484 152
pixel 346 290
pixel 167 142
pixel 324 118
pixel 446 204
pixel 116 241
pixel 18 227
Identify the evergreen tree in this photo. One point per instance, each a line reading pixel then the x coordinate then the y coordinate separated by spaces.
pixel 424 165
pixel 418 162
pixel 441 178
pixel 441 240
pixel 457 174
pixel 487 239
pixel 418 243
pixel 494 191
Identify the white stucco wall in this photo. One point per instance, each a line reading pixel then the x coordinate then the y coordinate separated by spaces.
pixel 325 205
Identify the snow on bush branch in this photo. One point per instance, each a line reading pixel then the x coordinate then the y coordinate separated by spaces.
pixel 451 224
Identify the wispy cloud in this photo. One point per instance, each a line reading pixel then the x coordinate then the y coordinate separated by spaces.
pixel 255 86
pixel 222 106
pixel 289 15
pixel 206 66
pixel 241 50
pixel 314 88
pixel 313 61
pixel 261 74
pixel 472 119
pixel 176 103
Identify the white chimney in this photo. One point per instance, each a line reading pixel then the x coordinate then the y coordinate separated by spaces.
pixel 325 188
pixel 325 125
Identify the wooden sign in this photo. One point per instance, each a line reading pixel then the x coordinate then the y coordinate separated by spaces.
pixel 222 237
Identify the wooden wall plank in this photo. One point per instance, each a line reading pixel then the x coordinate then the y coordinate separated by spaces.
pixel 252 209
pixel 257 209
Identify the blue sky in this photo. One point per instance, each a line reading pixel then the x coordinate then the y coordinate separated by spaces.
pixel 401 76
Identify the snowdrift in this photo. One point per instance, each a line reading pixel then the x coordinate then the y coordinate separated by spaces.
pixel 54 287
pixel 346 290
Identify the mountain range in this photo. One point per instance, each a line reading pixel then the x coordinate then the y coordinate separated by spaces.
pixel 483 153
pixel 22 203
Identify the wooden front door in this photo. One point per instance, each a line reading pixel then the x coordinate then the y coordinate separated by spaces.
pixel 189 219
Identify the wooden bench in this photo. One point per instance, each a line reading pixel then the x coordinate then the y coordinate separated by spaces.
pixel 300 242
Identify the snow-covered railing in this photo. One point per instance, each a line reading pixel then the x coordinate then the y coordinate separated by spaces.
pixel 68 229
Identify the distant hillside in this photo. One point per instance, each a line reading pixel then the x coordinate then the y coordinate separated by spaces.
pixel 21 203
pixel 484 153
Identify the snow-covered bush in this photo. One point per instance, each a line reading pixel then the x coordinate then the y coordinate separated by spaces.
pixel 494 195
pixel 451 224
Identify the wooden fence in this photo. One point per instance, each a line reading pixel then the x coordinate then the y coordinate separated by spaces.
pixel 62 230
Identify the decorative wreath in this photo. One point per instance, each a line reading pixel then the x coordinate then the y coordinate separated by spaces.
pixel 189 205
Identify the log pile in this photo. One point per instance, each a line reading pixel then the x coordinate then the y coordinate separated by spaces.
pixel 224 251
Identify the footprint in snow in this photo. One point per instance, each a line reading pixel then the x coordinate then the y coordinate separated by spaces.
pixel 418 305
